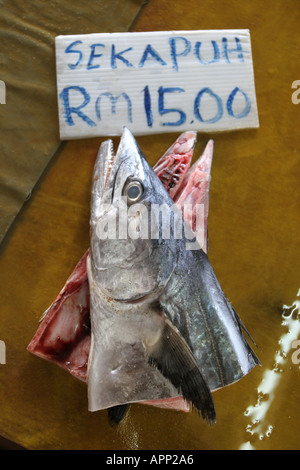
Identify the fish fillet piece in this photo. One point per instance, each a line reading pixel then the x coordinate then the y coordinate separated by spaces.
pixel 175 163
pixel 194 193
pixel 64 335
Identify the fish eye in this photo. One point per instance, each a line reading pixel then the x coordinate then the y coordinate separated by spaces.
pixel 133 190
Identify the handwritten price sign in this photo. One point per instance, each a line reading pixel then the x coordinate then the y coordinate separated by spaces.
pixel 155 82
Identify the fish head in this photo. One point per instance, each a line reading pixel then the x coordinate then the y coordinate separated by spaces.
pixel 128 260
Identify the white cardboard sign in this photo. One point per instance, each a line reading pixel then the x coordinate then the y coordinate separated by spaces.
pixel 154 82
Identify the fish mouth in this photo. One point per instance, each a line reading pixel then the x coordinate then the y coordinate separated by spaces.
pixel 109 162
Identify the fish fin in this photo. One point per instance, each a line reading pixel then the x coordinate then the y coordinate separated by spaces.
pixel 207 241
pixel 244 329
pixel 173 358
pixel 116 413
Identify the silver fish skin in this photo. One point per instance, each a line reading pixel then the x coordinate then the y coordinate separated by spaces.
pixel 160 322
pixel 136 352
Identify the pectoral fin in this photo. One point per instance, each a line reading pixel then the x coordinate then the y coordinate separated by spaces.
pixel 116 413
pixel 173 358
